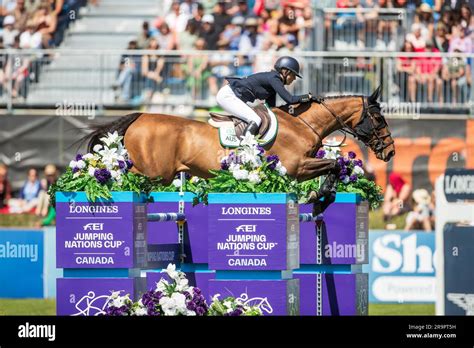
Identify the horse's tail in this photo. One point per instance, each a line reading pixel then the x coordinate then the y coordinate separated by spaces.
pixel 120 126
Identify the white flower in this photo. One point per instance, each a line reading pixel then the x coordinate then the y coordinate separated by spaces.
pixel 215 297
pixel 140 310
pixel 111 138
pixel 80 164
pixel 241 174
pixel 73 164
pixel 88 156
pixel 161 285
pixel 119 301
pixel 171 271
pixel 248 140
pixel 346 179
pixel 182 284
pixel 115 174
pixel 177 183
pixel 190 313
pixel 280 169
pixel 194 179
pixel 97 148
pixel 358 170
pixel 109 156
pixel 91 170
pixel 176 304
pixel 233 167
pixel 76 175
pixel 254 177
pixel 228 304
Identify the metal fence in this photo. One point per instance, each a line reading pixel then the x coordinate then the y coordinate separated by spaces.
pixel 75 82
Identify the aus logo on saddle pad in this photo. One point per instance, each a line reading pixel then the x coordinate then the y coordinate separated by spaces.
pixel 232 128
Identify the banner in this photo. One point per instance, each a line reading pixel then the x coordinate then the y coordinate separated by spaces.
pixel 401 267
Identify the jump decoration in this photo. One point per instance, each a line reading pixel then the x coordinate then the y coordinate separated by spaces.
pixel 351 178
pixel 174 298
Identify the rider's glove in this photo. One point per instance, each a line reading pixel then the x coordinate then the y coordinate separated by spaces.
pixel 305 98
pixel 318 99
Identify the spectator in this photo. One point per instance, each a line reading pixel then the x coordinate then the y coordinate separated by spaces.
pixel 209 33
pixel 176 20
pixel 144 38
pixel 441 42
pixel 165 38
pixel 187 38
pixel 460 41
pixel 466 16
pixel 5 188
pixel 187 7
pixel 457 73
pixel 16 70
pixel 241 9
pixel 9 32
pixel 152 66
pixel 28 194
pixel 196 70
pixel 424 17
pixel 21 15
pixel 416 39
pixel 287 22
pixel 198 13
pixel 221 66
pixel 233 32
pixel 30 38
pixel 265 59
pixel 251 41
pixel 46 22
pixel 420 216
pixel 51 176
pixel 129 67
pixel 221 17
pixel 427 69
pixel 396 198
pixel 406 71
pixel 447 19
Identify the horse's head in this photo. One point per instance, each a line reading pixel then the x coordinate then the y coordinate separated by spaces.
pixel 372 128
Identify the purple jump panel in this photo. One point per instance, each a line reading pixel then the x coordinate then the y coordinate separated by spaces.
pixel 88 296
pixel 273 297
pixel 103 234
pixel 253 231
pixel 166 233
pixel 344 235
pixel 340 294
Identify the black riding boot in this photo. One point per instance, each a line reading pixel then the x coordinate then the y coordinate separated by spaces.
pixel 251 128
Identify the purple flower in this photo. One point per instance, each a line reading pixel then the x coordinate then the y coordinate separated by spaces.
pixel 353 178
pixel 224 165
pixel 273 160
pixel 78 157
pixel 122 164
pixel 102 175
pixel 200 311
pixel 260 149
pixel 340 161
pixel 129 164
pixel 320 154
pixel 343 171
pixel 342 177
pixel 347 161
pixel 75 170
pixel 352 154
pixel 358 163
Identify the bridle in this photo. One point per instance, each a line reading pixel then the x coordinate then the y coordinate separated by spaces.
pixel 367 130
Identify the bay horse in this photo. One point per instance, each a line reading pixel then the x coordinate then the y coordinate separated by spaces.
pixel 163 145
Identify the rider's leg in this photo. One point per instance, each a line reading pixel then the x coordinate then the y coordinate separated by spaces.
pixel 235 106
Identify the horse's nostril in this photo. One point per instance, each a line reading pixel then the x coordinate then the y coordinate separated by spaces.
pixel 391 154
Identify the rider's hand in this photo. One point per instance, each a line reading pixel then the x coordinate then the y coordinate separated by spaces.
pixel 318 99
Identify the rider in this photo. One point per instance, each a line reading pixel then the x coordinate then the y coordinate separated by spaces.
pixel 260 87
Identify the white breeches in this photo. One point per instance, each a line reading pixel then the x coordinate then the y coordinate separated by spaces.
pixel 235 106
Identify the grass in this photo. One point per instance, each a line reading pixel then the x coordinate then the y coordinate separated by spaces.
pixel 376 220
pixel 48 307
pixel 27 306
pixel 19 220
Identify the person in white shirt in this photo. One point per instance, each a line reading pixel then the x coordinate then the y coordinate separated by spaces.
pixel 9 33
pixel 30 38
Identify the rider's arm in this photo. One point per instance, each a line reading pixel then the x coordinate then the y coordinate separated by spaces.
pixel 280 89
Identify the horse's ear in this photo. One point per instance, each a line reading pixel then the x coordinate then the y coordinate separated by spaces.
pixel 376 95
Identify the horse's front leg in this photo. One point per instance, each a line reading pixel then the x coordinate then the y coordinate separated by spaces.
pixel 314 167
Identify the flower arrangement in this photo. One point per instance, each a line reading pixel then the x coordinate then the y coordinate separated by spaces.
pixel 175 297
pixel 247 169
pixel 103 170
pixel 232 307
pixel 351 177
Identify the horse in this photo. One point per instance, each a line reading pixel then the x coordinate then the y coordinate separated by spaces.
pixel 162 145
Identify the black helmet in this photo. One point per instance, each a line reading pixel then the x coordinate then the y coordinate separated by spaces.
pixel 289 63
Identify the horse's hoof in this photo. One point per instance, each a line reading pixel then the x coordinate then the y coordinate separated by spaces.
pixel 313 197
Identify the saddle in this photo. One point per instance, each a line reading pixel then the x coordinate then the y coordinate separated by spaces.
pixel 219 120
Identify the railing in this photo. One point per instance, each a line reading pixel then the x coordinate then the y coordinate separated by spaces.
pixel 362 29
pixel 75 82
